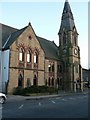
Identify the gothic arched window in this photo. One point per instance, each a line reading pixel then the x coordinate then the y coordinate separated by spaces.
pixel 75 39
pixel 21 54
pixel 49 81
pixel 75 36
pixel 35 82
pixel 35 57
pixel 64 38
pixel 20 80
pixel 29 56
pixel 52 81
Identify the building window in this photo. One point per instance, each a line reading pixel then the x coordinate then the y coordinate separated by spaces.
pixel 35 80
pixel 20 80
pixel 21 54
pixel 76 67
pixel 52 67
pixel 58 81
pixel 35 57
pixel 64 38
pixel 29 56
pixel 59 68
pixel 49 67
pixel 49 81
pixel 75 40
pixel 52 81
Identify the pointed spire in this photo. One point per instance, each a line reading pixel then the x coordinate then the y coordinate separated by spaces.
pixel 67 6
pixel 67 21
pixel 67 11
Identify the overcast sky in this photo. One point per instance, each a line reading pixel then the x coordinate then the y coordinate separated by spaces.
pixel 45 18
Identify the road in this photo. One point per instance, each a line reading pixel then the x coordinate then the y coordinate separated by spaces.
pixel 71 106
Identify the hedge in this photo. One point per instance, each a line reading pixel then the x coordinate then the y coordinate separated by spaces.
pixel 34 89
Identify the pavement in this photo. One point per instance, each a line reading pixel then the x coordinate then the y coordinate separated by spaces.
pixel 60 94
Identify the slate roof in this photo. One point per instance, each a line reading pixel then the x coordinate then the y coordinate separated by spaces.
pixel 49 47
pixel 66 7
pixel 67 21
pixel 9 35
pixel 13 37
pixel 5 31
pixel 68 24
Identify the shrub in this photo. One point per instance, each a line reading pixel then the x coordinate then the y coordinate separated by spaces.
pixel 34 89
pixel 43 89
pixel 17 91
pixel 52 90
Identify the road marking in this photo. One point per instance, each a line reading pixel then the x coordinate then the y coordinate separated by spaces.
pixel 39 104
pixel 20 106
pixel 72 98
pixel 64 99
pixel 53 101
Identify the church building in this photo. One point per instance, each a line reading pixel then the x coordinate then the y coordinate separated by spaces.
pixel 28 59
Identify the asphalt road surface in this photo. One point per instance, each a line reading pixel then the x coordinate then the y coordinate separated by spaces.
pixel 72 106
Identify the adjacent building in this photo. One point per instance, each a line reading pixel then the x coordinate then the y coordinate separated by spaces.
pixel 86 77
pixel 28 59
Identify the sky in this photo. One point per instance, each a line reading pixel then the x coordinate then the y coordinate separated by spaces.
pixel 45 18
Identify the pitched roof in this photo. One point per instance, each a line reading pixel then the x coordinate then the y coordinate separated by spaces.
pixel 5 31
pixel 12 37
pixel 49 47
pixel 9 35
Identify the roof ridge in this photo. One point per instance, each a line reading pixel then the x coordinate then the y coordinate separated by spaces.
pixel 45 39
pixel 9 26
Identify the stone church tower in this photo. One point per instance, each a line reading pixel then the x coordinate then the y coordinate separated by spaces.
pixel 69 51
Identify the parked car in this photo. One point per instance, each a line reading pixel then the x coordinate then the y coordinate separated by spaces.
pixel 2 98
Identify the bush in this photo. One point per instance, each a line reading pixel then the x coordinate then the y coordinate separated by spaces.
pixel 43 89
pixel 52 90
pixel 34 89
pixel 17 91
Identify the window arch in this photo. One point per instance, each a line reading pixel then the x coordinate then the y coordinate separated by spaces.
pixel 75 36
pixel 21 54
pixel 64 38
pixel 52 81
pixel 75 39
pixel 20 80
pixel 49 81
pixel 35 82
pixel 29 56
pixel 35 57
